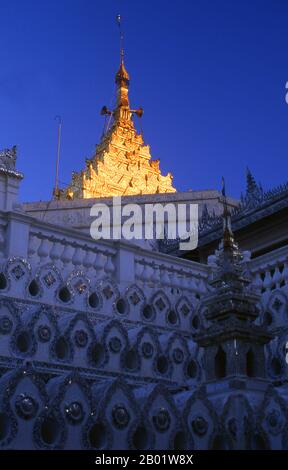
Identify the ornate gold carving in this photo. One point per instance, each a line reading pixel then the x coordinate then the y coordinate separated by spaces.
pixel 122 163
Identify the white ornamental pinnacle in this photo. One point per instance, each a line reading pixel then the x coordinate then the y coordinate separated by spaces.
pixel 8 159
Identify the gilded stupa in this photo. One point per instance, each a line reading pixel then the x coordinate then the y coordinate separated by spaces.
pixel 122 163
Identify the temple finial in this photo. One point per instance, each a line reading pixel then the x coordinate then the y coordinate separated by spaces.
pixel 228 256
pixel 122 76
pixel 254 191
pixel 122 113
pixel 228 237
pixel 251 184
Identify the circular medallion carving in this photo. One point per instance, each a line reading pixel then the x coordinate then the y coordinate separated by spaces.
pixel 115 344
pixel 274 421
pixel 147 349
pixel 121 416
pixel 74 412
pixel 26 406
pixel 178 356
pixel 44 333
pixel 81 338
pixel 6 325
pixel 161 420
pixel 200 426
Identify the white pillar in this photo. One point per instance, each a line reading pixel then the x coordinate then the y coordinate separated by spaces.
pixel 10 179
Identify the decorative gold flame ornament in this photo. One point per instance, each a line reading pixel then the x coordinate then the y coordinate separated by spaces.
pixel 122 164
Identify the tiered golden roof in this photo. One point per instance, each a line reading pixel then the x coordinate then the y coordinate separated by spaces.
pixel 122 164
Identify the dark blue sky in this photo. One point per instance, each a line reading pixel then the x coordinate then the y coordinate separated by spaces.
pixel 210 75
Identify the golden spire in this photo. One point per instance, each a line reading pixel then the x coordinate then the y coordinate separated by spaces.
pixel 122 112
pixel 122 163
pixel 122 81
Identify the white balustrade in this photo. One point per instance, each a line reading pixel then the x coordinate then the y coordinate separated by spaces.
pixel 176 273
pixel 270 271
